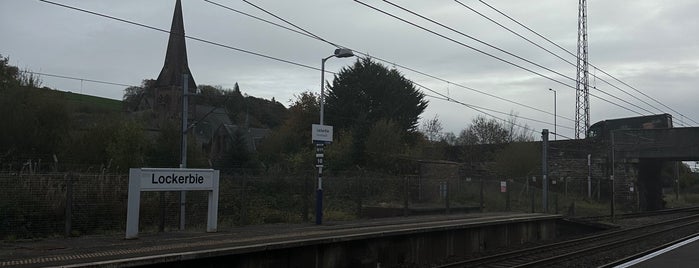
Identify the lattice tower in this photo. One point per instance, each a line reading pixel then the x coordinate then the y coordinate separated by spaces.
pixel 582 102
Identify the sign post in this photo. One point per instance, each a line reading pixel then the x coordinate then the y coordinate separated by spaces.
pixel 170 179
pixel 320 135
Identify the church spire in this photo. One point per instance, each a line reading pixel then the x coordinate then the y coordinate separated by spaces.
pixel 176 57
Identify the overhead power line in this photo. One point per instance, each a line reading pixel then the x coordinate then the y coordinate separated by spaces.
pixel 78 79
pixel 552 53
pixel 166 31
pixel 186 36
pixel 309 34
pixel 491 55
pixel 574 55
pixel 483 109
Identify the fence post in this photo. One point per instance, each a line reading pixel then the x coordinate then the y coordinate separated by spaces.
pixel 305 199
pixel 507 201
pixel 243 201
pixel 446 196
pixel 482 203
pixel 161 225
pixel 406 195
pixel 69 204
pixel 532 195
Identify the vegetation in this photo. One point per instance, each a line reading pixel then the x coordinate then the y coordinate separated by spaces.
pixel 368 95
pixel 376 155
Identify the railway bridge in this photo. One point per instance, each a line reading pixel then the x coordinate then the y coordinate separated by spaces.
pixel 634 158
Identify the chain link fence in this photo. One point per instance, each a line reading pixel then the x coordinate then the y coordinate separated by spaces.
pixel 73 204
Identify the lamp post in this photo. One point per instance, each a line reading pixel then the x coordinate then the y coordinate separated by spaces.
pixel 339 53
pixel 555 132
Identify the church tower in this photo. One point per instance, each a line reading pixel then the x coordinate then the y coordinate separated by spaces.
pixel 167 102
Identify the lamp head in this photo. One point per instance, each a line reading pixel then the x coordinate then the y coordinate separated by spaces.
pixel 343 53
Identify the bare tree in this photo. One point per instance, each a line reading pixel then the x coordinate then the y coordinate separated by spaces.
pixel 432 129
pixel 492 131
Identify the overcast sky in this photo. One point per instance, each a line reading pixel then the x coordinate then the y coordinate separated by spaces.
pixel 649 44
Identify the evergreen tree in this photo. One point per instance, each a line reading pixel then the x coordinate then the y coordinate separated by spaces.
pixel 367 92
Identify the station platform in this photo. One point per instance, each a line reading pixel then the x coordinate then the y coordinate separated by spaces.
pixel 680 255
pixel 175 246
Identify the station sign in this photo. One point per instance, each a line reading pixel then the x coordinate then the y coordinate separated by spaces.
pixel 321 134
pixel 173 179
pixel 170 179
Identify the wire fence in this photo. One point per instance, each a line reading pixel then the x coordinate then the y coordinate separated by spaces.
pixel 73 204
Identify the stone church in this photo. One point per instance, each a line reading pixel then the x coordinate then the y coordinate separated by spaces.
pixel 164 99
pixel 162 102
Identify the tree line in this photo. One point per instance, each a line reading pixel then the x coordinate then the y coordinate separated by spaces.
pixel 374 109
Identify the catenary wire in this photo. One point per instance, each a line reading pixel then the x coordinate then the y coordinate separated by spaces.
pixel 503 60
pixel 555 54
pixel 494 47
pixel 78 79
pixel 165 31
pixel 571 53
pixel 310 34
pixel 314 36
pixel 186 36
pixel 476 107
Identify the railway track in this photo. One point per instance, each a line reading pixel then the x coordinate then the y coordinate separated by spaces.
pixel 642 214
pixel 555 254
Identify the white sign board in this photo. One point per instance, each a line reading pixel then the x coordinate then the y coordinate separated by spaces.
pixel 321 133
pixel 158 179
pixel 170 179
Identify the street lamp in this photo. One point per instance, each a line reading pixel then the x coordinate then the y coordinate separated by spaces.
pixel 555 132
pixel 339 53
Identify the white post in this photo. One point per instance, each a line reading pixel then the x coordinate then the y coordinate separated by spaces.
pixel 212 215
pixel 134 203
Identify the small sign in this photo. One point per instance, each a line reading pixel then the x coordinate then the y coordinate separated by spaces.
pixel 320 149
pixel 503 186
pixel 322 134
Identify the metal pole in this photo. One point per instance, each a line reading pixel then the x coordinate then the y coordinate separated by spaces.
pixel 612 179
pixel 544 168
pixel 677 180
pixel 322 89
pixel 589 176
pixel 555 131
pixel 319 147
pixel 183 147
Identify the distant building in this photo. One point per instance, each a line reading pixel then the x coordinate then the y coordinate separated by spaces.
pixel 165 97
pixel 232 139
pixel 213 130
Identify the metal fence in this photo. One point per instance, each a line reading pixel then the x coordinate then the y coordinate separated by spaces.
pixel 40 205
